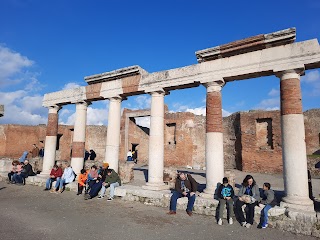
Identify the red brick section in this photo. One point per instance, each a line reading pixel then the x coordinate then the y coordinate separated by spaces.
pixel 214 112
pixel 290 96
pixel 93 91
pixel 131 84
pixel 52 128
pixel 77 149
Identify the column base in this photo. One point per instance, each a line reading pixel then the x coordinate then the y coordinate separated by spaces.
pixel 155 186
pixel 298 203
pixel 208 193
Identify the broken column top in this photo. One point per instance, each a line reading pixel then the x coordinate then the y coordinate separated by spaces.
pixel 250 44
pixel 1 110
pixel 116 74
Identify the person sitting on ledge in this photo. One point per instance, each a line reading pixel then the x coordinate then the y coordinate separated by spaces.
pixel 249 195
pixel 55 175
pixel 269 201
pixel 112 180
pixel 67 177
pixel 225 195
pixel 82 180
pixel 28 169
pixel 95 188
pixel 92 177
pixel 185 186
pixel 14 164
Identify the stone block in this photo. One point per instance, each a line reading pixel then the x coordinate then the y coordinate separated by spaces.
pixel 126 172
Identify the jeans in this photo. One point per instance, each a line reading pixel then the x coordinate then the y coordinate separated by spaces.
pixel 222 203
pixel 112 187
pixel 264 215
pixel 60 183
pixel 249 214
pixel 49 182
pixel 174 198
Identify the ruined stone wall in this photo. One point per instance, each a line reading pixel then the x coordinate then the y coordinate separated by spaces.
pixel 261 141
pixel 312 128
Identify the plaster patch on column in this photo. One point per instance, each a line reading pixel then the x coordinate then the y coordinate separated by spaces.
pixel 290 96
pixel 78 149
pixel 214 112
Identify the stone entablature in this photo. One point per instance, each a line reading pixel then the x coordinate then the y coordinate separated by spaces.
pixel 246 45
pixel 304 55
pixel 1 110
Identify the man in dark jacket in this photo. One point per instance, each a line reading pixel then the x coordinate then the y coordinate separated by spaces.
pixel 185 186
pixel 112 180
pixel 27 169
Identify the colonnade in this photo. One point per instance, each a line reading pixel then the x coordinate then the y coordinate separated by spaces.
pixel 293 138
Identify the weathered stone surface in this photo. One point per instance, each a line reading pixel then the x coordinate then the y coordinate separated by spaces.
pixel 1 110
pixel 126 173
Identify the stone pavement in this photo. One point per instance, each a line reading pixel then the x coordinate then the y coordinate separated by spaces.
pixel 27 212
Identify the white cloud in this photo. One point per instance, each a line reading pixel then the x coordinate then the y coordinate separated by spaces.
pixel 274 92
pixel 143 101
pixel 269 104
pixel 201 111
pixel 12 65
pixel 143 121
pixel 71 85
pixel 311 77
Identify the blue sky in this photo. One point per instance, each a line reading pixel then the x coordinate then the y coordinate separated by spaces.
pixel 47 46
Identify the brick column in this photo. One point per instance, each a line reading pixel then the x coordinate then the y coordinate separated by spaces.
pixel 294 154
pixel 79 137
pixel 156 143
pixel 113 133
pixel 51 140
pixel 214 139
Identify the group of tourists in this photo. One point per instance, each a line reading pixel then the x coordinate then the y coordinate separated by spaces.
pixel 249 195
pixel 19 172
pixel 93 181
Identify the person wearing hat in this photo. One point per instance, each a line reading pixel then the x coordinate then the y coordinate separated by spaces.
pixel 185 186
pixel 225 195
pixel 112 180
pixel 95 188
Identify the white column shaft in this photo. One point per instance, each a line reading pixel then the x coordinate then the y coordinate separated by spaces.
pixel 49 157
pixel 113 134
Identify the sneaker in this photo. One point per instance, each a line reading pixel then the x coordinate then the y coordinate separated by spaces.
pixel 100 197
pixel 230 221
pixel 220 221
pixel 87 197
pixel 46 189
pixel 243 224
pixel 248 225
pixel 264 226
pixel 110 199
pixel 171 212
pixel 52 191
pixel 60 191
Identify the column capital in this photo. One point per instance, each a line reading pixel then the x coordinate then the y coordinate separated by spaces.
pixel 84 102
pixel 159 92
pixel 117 98
pixel 214 86
pixel 291 73
pixel 54 108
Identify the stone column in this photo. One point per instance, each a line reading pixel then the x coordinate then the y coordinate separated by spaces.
pixel 49 157
pixel 79 137
pixel 113 133
pixel 156 143
pixel 214 138
pixel 294 154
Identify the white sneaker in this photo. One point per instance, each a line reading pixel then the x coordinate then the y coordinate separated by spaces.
pixel 220 221
pixel 265 226
pixel 100 197
pixel 230 221
pixel 248 225
pixel 243 224
pixel 110 199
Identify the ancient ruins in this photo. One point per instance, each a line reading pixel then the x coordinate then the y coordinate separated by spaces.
pixel 262 55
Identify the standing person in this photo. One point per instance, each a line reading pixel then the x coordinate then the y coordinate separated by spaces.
pixel 82 180
pixel 310 186
pixel 112 180
pixel 185 186
pixel 225 194
pixel 92 154
pixel 248 195
pixel 41 153
pixel 35 151
pixel 269 201
pixel 67 177
pixel 129 155
pixel 55 175
pixel 135 156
